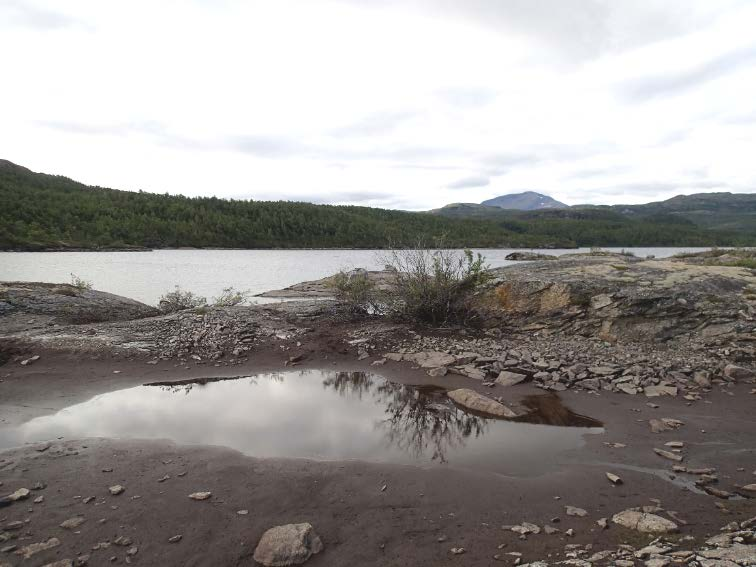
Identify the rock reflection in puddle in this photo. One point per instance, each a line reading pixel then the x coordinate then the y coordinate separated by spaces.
pixel 321 415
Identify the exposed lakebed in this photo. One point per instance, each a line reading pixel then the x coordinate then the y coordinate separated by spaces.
pixel 322 415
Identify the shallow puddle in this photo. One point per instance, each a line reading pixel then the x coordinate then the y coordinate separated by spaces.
pixel 322 415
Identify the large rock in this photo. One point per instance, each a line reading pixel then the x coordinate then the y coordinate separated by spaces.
pixel 64 303
pixel 291 544
pixel 431 359
pixel 738 554
pixel 507 378
pixel 474 401
pixel 734 372
pixel 644 522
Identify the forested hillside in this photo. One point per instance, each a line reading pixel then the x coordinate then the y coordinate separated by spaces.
pixel 39 211
pixel 45 211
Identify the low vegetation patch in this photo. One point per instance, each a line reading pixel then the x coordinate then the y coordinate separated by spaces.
pixel 355 290
pixel 230 297
pixel 434 285
pixel 80 283
pixel 179 299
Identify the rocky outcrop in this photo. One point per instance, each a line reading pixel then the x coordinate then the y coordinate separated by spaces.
pixel 622 298
pixel 381 280
pixel 528 256
pixel 291 544
pixel 64 303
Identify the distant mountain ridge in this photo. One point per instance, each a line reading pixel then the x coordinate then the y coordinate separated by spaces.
pixel 733 213
pixel 526 201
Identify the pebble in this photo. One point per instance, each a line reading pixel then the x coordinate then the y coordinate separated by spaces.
pixel 116 489
pixel 175 539
pixel 200 495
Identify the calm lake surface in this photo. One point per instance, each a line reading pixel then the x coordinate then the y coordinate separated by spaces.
pixel 321 415
pixel 146 276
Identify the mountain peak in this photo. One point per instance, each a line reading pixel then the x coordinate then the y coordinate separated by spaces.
pixel 526 201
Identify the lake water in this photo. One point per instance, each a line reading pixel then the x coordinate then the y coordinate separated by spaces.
pixel 146 276
pixel 321 415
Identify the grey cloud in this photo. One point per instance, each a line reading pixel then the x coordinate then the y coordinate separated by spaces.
pixel 467 182
pixel 467 97
pixel 270 146
pixel 501 163
pixel 652 189
pixel 377 123
pixel 673 83
pixel 573 30
pixel 26 14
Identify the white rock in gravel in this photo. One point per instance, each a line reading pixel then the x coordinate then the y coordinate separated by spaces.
pixel 613 478
pixel 291 544
pixel 33 548
pixel 20 494
pixel 200 495
pixel 668 455
pixel 72 523
pixel 644 522
pixel 116 489
pixel 573 511
pixel 474 401
pixel 660 390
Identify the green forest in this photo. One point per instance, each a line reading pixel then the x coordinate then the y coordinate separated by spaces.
pixel 43 212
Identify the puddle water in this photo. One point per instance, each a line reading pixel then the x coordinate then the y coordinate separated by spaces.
pixel 325 416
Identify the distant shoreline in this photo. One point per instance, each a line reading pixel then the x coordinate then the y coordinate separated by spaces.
pixel 314 248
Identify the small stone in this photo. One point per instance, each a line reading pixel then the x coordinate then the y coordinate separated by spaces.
pixel 242 512
pixel 613 478
pixel 73 523
pixel 668 455
pixel 20 494
pixel 457 550
pixel 123 541
pixel 200 495
pixel 573 511
pixel 116 489
pixel 603 523
pixel 33 548
pixel 175 539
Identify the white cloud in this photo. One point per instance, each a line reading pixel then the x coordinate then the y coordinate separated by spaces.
pixel 404 104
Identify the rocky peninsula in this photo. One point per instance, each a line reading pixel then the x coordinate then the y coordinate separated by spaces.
pixel 659 353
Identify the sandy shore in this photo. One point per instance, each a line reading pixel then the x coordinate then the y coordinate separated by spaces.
pixel 359 523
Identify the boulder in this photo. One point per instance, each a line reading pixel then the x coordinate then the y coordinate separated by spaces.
pixel 660 390
pixel 431 359
pixel 738 554
pixel 644 522
pixel 291 544
pixel 474 401
pixel 734 372
pixel 507 378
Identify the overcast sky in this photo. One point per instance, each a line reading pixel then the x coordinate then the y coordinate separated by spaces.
pixel 406 104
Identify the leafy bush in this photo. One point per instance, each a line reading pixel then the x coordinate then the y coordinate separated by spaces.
pixel 230 297
pixel 434 285
pixel 80 283
pixel 178 300
pixel 355 290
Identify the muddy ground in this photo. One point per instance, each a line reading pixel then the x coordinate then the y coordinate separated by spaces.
pixel 417 519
